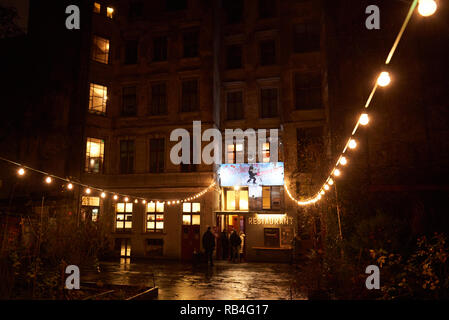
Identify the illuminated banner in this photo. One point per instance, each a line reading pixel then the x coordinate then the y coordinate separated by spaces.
pixel 251 174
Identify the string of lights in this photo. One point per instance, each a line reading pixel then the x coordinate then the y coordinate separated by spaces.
pixel 88 190
pixel 425 8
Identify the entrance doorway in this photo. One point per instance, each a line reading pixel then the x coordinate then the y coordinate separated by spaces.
pixel 227 223
pixel 190 241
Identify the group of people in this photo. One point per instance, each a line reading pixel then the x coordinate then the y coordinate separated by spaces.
pixel 231 246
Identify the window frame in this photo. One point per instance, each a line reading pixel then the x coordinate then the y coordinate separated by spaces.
pixel 126 110
pixel 127 157
pixel 191 213
pixel 236 106
pixel 306 91
pixel 87 166
pixel 188 95
pixel 97 52
pixel 160 152
pixel 154 214
pixel 263 110
pixel 126 214
pixel 190 44
pixel 92 97
pixel 159 102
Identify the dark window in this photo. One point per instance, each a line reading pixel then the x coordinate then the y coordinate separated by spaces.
pixel 189 100
pixel 267 8
pixel 310 147
pixel 135 11
pixel 234 11
pixel 127 156
pixel 160 49
pixel 157 155
pixel 271 237
pixel 269 102
pixel 267 53
pixel 308 91
pixel 176 5
pixel 190 167
pixel 129 107
pixel 234 105
pixel 190 44
pixel 131 51
pixel 234 57
pixel 306 37
pixel 158 99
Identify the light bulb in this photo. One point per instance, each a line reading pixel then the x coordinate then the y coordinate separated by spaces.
pixel 352 144
pixel 126 199
pixel 322 192
pixel 384 79
pixel 115 197
pixel 70 186
pixel 343 161
pixel 135 201
pixel 48 180
pixel 364 119
pixel 21 172
pixel 337 172
pixel 326 187
pixel 427 7
pixel 87 191
pixel 330 182
pixel 144 201
pixel 103 195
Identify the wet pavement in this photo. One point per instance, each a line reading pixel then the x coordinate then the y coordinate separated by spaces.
pixel 223 281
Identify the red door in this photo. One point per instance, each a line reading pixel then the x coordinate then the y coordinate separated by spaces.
pixel 190 241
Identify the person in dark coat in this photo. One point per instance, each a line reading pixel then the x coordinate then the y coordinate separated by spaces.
pixel 235 243
pixel 224 244
pixel 209 245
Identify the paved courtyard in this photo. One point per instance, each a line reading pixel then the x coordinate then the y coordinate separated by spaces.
pixel 183 281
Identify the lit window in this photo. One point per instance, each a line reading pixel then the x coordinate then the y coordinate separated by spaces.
pixel 125 247
pixel 237 199
pixel 235 153
pixel 110 12
pixel 90 207
pixel 155 217
pixel 266 152
pixel 188 218
pixel 94 155
pixel 100 49
pixel 243 201
pixel 97 98
pixel 124 214
pixel 230 199
pixel 97 7
pixel 266 198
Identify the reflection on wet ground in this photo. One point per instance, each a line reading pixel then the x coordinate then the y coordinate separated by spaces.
pixel 183 281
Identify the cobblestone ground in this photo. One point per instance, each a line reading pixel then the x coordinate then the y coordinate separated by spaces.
pixel 223 281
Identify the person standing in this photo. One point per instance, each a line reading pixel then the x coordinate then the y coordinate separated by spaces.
pixel 235 243
pixel 209 245
pixel 224 244
pixel 242 243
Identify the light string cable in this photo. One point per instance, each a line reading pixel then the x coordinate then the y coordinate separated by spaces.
pixel 88 189
pixel 382 80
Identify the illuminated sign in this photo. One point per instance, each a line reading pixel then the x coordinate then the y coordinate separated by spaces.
pixel 251 174
pixel 272 219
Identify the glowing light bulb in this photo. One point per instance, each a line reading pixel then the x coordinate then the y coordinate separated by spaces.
pixel 70 186
pixel 126 199
pixel 88 191
pixel 322 192
pixel 330 182
pixel 103 195
pixel 115 197
pixel 21 172
pixel 169 203
pixel 364 119
pixel 326 187
pixel 48 180
pixel 384 79
pixel 337 172
pixel 427 7
pixel 352 144
pixel 144 201
pixel 177 201
pixel 343 161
